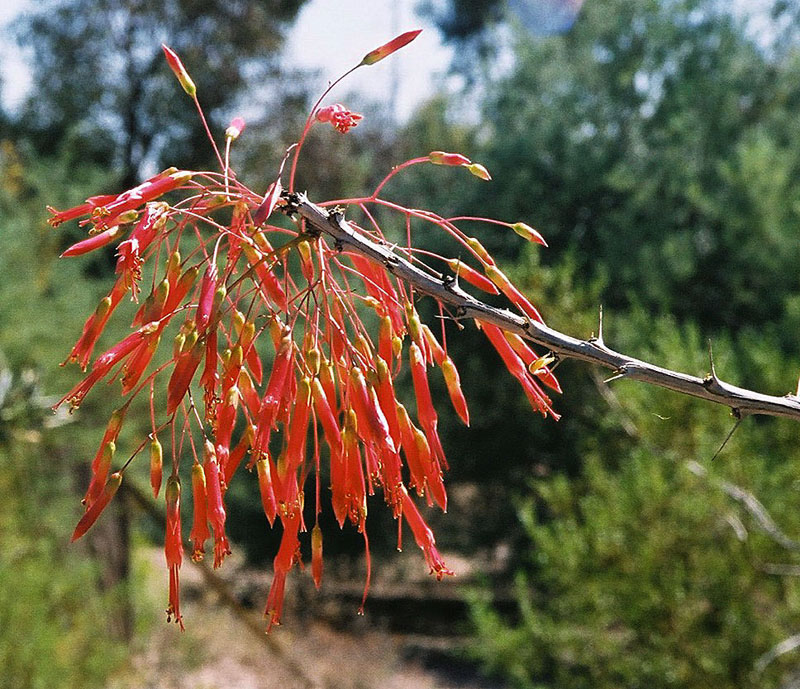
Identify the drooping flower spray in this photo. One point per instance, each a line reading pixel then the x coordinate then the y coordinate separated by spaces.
pixel 269 363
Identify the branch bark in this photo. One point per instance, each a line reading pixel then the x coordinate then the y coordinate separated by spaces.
pixel 742 402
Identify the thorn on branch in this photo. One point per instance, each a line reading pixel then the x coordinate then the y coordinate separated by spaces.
pixel 621 373
pixel 713 375
pixel 599 338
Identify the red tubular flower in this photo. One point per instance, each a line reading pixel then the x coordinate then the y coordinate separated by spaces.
pixel 372 423
pixel 100 474
pixel 387 49
pixel 206 301
pixel 130 251
pixel 453 383
pixel 330 426
pixel 298 427
pixel 516 367
pixel 173 547
pixel 185 367
pixel 249 394
pixel 158 185
pixel 387 398
pixel 111 434
pixel 152 308
pixel 226 419
pixel 378 285
pixel 415 467
pixel 104 363
pixel 180 288
pixel 94 242
pixel 138 362
pixel 339 117
pixel 353 488
pixel 517 298
pixel 90 516
pixel 274 393
pixel 216 510
pixel 93 328
pixel 92 202
pixel 200 533
pixel 238 453
pixel 267 282
pixel 423 536
pixel 426 413
pixel 534 364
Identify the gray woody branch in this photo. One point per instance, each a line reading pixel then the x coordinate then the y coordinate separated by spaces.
pixel 741 401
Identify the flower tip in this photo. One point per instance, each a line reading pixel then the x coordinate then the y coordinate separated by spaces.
pixel 527 232
pixel 388 48
pixel 479 171
pixel 235 128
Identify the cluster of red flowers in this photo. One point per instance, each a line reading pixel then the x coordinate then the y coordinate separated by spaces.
pixel 270 347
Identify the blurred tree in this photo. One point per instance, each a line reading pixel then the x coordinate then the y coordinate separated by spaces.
pixel 649 569
pixel 102 88
pixel 657 140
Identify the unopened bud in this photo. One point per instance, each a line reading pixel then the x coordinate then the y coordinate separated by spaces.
pixel 179 70
pixel 527 232
pixel 235 128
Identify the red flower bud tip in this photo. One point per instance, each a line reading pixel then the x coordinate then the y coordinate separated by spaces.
pixel 179 70
pixel 340 118
pixel 388 48
pixel 443 158
pixel 90 516
pixel 156 466
pixel 527 232
pixel 235 128
pixel 93 242
pixel 316 555
pixel 479 171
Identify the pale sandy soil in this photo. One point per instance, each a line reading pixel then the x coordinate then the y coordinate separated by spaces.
pixel 311 649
